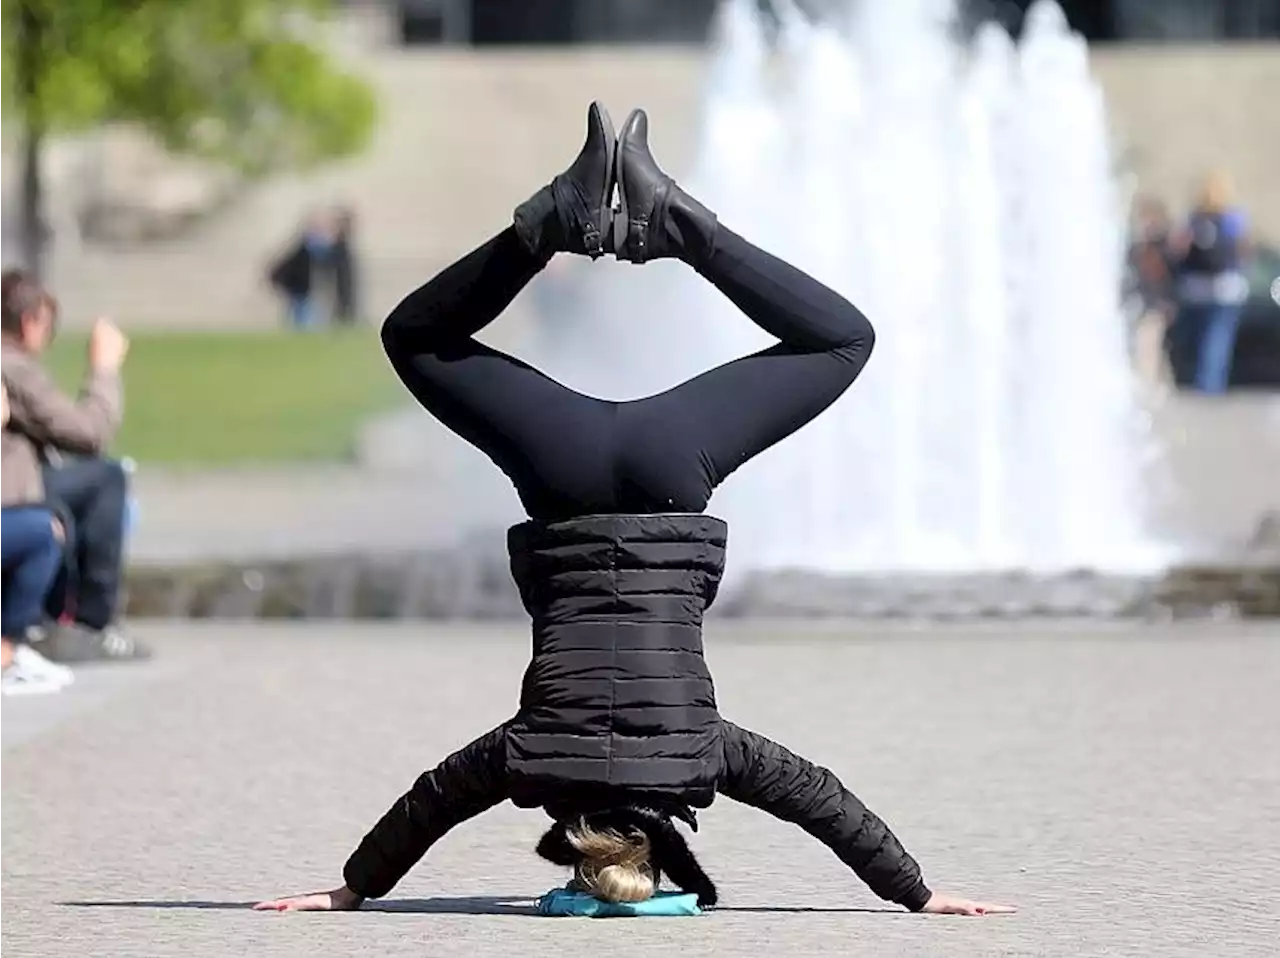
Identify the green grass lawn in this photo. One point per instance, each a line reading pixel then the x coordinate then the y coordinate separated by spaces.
pixel 208 399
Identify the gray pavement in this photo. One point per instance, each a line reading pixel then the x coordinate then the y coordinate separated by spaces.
pixel 1120 784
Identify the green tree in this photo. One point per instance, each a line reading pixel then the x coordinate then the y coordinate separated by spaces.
pixel 244 82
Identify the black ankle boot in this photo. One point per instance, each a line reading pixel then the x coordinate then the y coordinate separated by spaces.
pixel 573 214
pixel 657 219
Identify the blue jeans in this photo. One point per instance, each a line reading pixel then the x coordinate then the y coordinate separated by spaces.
pixel 32 556
pixel 302 311
pixel 1217 325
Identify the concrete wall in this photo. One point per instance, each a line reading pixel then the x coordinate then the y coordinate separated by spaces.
pixel 468 135
pixel 1178 111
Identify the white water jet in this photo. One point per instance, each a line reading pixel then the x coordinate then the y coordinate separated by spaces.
pixel 961 194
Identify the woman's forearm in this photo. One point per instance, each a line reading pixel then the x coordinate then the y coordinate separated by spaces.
pixel 468 782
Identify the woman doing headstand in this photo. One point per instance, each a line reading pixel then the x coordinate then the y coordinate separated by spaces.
pixel 617 733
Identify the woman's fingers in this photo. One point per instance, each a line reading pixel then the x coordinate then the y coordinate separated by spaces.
pixel 982 908
pixel 946 905
pixel 316 902
pixel 998 909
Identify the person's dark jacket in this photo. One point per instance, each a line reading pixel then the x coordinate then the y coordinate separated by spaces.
pixel 618 694
pixel 618 712
pixel 1216 244
pixel 292 273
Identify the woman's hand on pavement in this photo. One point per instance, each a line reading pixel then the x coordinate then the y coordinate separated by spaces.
pixel 340 899
pixel 947 905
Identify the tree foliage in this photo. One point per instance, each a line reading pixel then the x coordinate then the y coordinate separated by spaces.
pixel 247 82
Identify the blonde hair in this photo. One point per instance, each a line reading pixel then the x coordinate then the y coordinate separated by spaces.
pixel 614 867
pixel 1216 192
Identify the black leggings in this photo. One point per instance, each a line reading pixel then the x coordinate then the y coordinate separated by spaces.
pixel 571 455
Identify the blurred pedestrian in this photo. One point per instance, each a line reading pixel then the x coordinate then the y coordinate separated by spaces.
pixel 1212 285
pixel 297 272
pixel 344 269
pixel 1151 263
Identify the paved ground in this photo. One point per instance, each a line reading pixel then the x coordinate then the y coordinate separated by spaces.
pixel 1122 786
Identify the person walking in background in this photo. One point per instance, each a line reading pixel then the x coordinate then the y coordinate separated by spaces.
pixel 294 275
pixel 1151 266
pixel 342 262
pixel 1212 286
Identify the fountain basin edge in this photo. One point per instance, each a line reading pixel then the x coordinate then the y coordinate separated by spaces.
pixel 446 585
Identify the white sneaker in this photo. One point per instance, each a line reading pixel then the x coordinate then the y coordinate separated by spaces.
pixel 33 663
pixel 19 681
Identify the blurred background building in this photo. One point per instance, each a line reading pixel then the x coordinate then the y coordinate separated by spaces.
pixel 490 22
pixel 480 101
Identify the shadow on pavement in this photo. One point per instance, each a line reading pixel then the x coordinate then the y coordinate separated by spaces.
pixel 470 905
pixel 805 910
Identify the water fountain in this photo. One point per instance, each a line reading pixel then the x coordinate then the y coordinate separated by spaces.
pixel 961 192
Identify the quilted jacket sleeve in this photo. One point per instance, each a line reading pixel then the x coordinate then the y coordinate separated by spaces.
pixel 468 782
pixel 763 774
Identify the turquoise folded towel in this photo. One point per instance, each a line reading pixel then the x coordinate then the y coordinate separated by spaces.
pixel 564 901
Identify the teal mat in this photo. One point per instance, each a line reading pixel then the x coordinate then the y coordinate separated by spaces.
pixel 564 902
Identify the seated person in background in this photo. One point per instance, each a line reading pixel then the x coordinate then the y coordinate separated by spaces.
pixel 32 552
pixel 92 496
pixel 86 491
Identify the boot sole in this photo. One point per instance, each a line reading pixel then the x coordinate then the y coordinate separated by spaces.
pixel 611 152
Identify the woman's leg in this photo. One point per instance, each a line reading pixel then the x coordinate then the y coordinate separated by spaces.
pixel 1217 348
pixel 736 411
pixel 682 443
pixel 31 556
pixel 550 440
pixel 300 311
pixel 543 435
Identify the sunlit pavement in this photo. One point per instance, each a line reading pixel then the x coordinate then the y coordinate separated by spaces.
pixel 1121 785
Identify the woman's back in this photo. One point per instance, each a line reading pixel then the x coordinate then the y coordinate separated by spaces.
pixel 618 694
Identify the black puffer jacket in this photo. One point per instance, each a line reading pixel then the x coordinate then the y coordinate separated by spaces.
pixel 618 708
pixel 618 694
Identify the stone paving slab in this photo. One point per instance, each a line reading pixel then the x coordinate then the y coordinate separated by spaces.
pixel 1120 784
